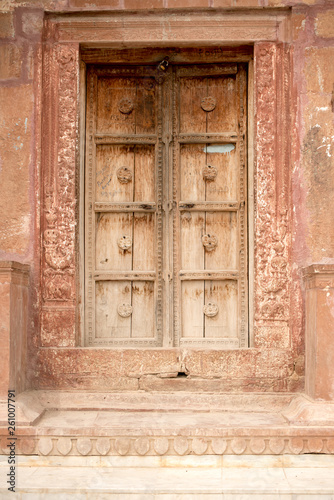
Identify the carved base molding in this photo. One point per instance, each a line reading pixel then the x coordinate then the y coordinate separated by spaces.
pixel 58 445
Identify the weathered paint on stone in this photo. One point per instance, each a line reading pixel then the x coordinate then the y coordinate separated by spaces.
pixel 16 105
pixel 6 25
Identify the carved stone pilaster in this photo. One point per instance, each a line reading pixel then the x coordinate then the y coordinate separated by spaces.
pixel 272 216
pixel 59 194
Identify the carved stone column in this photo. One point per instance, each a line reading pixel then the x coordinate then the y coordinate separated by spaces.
pixel 319 335
pixel 14 278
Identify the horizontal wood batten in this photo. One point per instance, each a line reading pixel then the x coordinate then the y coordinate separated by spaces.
pixel 208 70
pixel 127 275
pixel 125 139
pixel 207 138
pixel 228 206
pixel 124 207
pixel 176 56
pixel 209 275
pixel 222 343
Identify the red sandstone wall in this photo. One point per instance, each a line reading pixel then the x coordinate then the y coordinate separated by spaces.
pixel 312 144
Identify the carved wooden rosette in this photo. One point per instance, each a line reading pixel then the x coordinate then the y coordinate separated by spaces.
pixel 272 216
pixel 60 89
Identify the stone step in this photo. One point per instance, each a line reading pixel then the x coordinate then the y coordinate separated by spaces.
pixel 177 478
pixel 165 424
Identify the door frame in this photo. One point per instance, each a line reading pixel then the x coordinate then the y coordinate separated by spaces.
pixel 179 57
pixel 275 345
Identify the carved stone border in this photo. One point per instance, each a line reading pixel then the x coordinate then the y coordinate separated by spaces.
pixel 59 181
pixel 266 444
pixel 272 194
pixel 272 295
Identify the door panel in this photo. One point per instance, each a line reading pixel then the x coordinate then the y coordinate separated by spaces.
pixel 210 193
pixel 221 313
pixel 224 186
pixel 208 104
pixel 166 206
pixel 192 159
pixel 126 105
pixel 143 242
pixel 114 241
pixel 143 309
pixel 125 173
pixel 192 91
pixel 209 172
pixel 192 230
pixel 123 208
pixel 223 117
pixel 192 303
pixel 124 309
pixel 224 227
pixel 109 296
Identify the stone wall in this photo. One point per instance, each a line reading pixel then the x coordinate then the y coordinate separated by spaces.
pixel 310 158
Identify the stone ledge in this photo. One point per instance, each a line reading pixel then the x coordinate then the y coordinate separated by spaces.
pixel 320 275
pixel 14 272
pixel 303 411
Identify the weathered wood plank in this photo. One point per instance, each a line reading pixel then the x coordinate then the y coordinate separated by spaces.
pixel 192 300
pixel 110 295
pixel 221 296
pixel 114 239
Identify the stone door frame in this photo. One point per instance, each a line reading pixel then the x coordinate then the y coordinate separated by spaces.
pixel 273 353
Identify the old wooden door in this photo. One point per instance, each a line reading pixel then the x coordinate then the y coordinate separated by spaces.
pixel 166 206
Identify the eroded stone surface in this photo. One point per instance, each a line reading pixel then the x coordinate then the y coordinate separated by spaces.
pixel 16 133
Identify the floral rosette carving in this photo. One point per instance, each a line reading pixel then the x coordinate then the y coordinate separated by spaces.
pixel 126 106
pixel 124 310
pixel 209 173
pixel 210 242
pixel 124 243
pixel 124 175
pixel 210 309
pixel 208 103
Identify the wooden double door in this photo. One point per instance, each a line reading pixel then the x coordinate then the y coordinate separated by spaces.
pixel 166 205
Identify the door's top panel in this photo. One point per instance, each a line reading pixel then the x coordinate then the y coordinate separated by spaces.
pixel 207 99
pixel 126 105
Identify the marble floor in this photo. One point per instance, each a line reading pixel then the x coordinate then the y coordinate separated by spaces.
pixel 285 477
